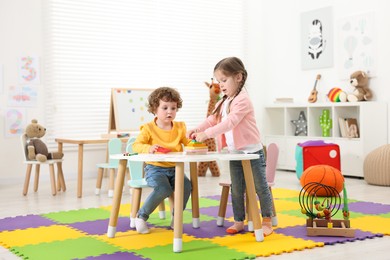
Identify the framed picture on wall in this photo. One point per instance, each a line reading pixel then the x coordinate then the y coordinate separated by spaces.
pixel 317 38
pixel 356 38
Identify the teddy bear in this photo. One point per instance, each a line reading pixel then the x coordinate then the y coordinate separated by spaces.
pixel 36 148
pixel 359 80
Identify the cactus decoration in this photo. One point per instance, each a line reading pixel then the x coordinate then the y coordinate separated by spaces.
pixel 325 123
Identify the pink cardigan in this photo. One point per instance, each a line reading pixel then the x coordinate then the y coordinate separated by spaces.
pixel 241 120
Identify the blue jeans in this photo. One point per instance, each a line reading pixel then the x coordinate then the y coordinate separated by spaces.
pixel 261 187
pixel 162 180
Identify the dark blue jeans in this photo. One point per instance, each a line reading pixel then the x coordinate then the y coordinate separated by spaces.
pixel 162 180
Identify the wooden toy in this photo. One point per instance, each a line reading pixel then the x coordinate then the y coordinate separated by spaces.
pixel 195 147
pixel 320 211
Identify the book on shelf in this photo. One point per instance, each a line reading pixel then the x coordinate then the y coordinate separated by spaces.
pixel 343 127
pixel 349 127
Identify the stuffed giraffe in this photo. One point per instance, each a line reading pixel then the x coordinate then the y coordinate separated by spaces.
pixel 203 166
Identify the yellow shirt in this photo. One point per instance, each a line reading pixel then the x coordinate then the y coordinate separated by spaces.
pixel 172 139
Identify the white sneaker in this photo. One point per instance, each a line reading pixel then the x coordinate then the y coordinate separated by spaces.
pixel 141 226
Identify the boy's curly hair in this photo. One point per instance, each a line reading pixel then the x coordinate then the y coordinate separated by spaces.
pixel 165 94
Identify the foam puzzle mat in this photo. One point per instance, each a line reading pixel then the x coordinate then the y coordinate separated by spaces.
pixel 81 234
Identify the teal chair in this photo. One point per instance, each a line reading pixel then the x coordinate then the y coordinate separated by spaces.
pixel 137 182
pixel 114 147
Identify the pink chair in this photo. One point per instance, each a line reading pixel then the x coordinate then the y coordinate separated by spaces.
pixel 272 155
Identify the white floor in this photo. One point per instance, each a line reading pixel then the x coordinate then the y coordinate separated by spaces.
pixel 13 203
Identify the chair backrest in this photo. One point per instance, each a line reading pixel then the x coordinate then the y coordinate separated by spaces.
pixel 271 162
pixel 23 142
pixel 114 147
pixel 135 168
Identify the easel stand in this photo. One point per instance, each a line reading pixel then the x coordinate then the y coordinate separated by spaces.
pixel 320 227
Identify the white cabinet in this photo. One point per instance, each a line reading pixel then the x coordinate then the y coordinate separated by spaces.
pixel 372 123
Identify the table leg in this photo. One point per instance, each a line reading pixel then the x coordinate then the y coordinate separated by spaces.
pixel 178 208
pixel 254 209
pixel 194 195
pixel 80 172
pixel 116 200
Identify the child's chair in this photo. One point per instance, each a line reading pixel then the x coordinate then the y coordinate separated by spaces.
pixel 51 162
pixel 114 147
pixel 137 182
pixel 272 155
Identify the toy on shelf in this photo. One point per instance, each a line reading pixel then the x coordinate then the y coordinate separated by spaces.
pixel 313 94
pixel 320 211
pixel 195 147
pixel 325 122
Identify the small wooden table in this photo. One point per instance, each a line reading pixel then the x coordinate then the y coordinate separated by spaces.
pixel 180 159
pixel 80 142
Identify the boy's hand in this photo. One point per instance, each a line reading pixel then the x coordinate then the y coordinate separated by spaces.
pixel 153 148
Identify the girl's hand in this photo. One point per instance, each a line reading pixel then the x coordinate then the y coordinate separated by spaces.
pixel 191 134
pixel 200 137
pixel 153 148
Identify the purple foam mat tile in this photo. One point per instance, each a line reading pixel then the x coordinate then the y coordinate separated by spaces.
pixel 213 211
pixel 116 256
pixel 207 229
pixel 23 222
pixel 300 232
pixel 369 208
pixel 99 227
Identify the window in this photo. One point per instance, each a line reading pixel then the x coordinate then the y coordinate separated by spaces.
pixel 92 46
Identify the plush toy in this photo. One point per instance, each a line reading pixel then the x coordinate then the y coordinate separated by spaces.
pixel 215 91
pixel 359 80
pixel 36 148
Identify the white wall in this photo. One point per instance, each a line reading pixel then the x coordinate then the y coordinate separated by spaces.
pixel 280 65
pixel 273 63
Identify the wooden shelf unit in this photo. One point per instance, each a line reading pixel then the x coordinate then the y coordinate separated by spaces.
pixel 372 122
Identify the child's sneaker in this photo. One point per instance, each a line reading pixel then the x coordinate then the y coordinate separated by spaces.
pixel 141 226
pixel 237 227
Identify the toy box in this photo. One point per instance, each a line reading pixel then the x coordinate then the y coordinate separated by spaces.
pixel 316 152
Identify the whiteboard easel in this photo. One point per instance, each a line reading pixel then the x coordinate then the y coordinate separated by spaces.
pixel 128 109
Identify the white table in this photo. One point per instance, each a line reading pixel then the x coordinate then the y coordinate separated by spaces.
pixel 180 159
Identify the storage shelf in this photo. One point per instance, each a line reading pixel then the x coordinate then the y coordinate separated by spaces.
pixel 371 119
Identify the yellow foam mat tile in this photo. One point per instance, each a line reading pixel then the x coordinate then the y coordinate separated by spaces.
pixel 374 224
pixel 284 193
pixel 32 236
pixel 131 240
pixel 274 244
pixel 283 221
pixel 286 205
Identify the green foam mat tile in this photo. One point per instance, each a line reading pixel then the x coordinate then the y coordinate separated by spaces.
pixel 65 250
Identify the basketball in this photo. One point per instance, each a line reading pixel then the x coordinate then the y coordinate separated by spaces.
pixel 324 174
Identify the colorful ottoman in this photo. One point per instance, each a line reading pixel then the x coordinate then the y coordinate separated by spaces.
pixel 316 152
pixel 376 166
